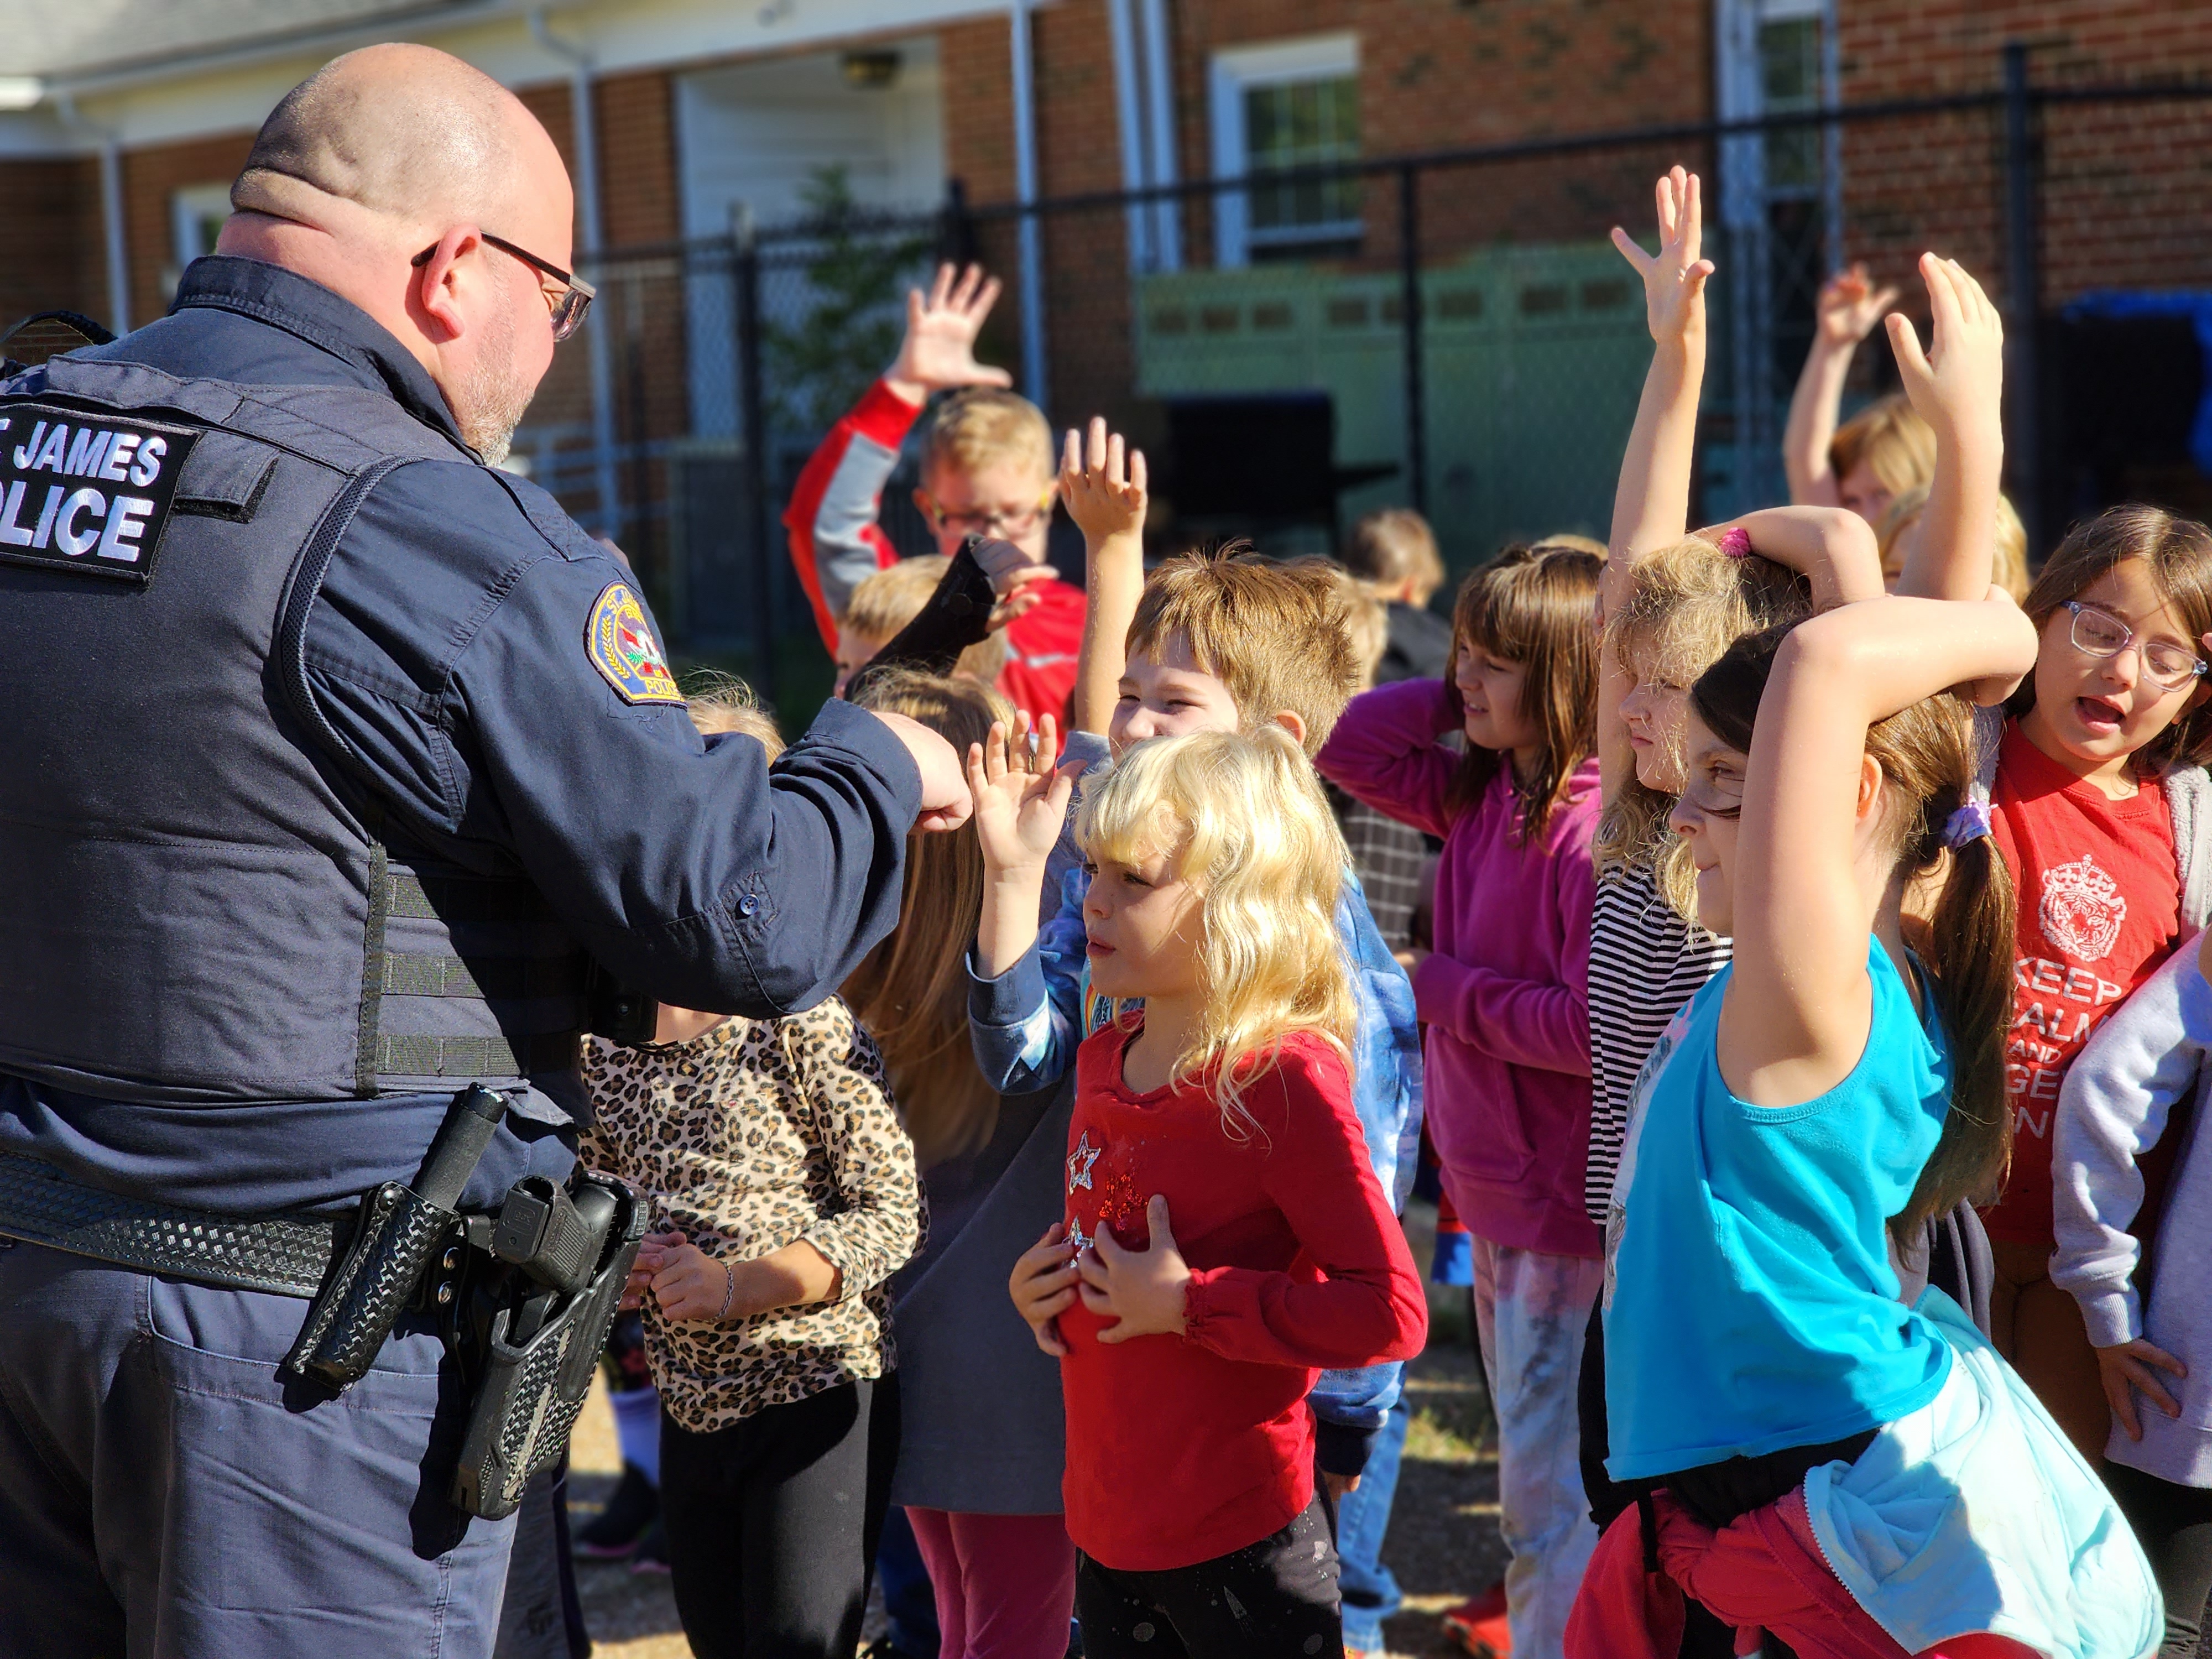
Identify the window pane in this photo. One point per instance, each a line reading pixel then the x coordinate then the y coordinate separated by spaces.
pixel 1790 76
pixel 1303 123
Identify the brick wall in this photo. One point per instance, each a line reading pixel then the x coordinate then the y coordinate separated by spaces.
pixel 151 179
pixel 56 260
pixel 2124 202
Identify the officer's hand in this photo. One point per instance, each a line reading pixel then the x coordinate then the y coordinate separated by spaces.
pixel 945 802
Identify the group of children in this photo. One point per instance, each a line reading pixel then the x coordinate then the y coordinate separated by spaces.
pixel 1801 1025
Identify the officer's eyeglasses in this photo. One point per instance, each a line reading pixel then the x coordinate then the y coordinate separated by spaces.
pixel 568 307
pixel 2100 633
pixel 994 520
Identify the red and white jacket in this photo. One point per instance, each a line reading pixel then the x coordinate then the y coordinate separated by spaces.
pixel 836 544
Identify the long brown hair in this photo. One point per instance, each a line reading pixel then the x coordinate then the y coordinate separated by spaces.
pixel 1926 753
pixel 2179 554
pixel 911 991
pixel 1535 605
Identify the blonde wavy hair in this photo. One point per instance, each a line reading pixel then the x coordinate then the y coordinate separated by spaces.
pixel 1242 820
pixel 1685 604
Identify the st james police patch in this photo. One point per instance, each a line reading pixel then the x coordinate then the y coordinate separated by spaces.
pixel 622 647
pixel 85 494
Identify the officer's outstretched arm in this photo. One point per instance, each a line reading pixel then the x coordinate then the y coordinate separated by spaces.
pixel 508 693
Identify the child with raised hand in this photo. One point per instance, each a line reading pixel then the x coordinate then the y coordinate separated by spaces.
pixel 2132 1085
pixel 1226 1237
pixel 1854 1474
pixel 785 1193
pixel 1883 451
pixel 1223 642
pixel 987 469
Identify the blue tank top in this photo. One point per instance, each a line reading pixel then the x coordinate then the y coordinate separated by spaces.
pixel 1750 1302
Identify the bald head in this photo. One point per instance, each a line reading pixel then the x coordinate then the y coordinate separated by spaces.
pixel 405 140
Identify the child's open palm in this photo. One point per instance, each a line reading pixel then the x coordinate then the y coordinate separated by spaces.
pixel 1849 306
pixel 1958 384
pixel 1021 796
pixel 1102 483
pixel 938 352
pixel 1674 278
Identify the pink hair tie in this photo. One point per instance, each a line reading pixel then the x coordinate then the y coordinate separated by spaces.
pixel 1736 541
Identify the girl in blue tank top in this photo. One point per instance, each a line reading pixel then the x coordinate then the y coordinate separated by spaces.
pixel 1824 1459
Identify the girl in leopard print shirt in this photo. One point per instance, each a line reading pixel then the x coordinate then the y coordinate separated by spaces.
pixel 784 1194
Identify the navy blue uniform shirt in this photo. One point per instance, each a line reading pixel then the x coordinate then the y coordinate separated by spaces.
pixel 448 649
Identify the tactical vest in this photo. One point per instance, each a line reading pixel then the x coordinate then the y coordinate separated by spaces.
pixel 197 902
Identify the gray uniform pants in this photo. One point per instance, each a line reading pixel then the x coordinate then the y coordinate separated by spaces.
pixel 163 1495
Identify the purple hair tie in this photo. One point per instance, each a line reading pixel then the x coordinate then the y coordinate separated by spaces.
pixel 1735 541
pixel 1970 822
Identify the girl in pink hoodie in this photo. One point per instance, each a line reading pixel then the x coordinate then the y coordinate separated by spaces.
pixel 1505 996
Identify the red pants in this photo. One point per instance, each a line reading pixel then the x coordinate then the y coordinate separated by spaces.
pixel 1762 1571
pixel 1005 1583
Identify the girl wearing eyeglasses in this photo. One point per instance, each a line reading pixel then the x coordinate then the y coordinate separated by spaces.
pixel 2102 809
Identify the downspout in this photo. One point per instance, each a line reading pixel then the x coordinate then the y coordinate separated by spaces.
pixel 1159 88
pixel 595 337
pixel 111 208
pixel 1025 192
pixel 1129 100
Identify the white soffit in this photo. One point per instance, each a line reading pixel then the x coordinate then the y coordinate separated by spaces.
pixel 232 90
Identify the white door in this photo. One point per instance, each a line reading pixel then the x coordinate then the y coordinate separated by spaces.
pixel 757 133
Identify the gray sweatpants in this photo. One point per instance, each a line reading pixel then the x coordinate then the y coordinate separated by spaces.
pixel 164 1496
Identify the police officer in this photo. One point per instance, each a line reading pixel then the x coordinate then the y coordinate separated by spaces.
pixel 331 754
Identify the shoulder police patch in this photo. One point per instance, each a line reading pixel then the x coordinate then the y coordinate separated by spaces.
pixel 619 643
pixel 87 493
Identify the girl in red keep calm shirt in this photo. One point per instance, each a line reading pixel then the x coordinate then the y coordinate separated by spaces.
pixel 2102 808
pixel 1225 1238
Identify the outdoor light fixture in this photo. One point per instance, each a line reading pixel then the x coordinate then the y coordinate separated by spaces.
pixel 870 71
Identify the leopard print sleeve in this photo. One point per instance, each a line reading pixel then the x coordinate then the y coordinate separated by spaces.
pixel 874 1221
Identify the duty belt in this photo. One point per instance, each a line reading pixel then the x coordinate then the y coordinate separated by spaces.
pixel 282 1255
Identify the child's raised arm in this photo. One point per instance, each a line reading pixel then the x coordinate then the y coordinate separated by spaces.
pixel 1797 1009
pixel 1021 803
pixel 1102 483
pixel 1651 507
pixel 1831 547
pixel 1958 388
pixel 1845 313
pixel 1651 504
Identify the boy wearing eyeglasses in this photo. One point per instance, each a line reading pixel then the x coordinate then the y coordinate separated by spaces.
pixel 987 468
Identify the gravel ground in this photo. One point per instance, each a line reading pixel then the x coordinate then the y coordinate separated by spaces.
pixel 1442 1543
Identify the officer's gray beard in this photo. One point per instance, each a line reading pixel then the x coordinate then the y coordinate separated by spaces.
pixel 493 399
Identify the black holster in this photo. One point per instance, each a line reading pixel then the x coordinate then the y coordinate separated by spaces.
pixel 529 1348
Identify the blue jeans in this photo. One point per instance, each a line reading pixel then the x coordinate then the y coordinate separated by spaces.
pixel 1370 1593
pixel 163 1490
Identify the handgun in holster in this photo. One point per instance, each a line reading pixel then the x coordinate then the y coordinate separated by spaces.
pixel 525 1297
pixel 527 1316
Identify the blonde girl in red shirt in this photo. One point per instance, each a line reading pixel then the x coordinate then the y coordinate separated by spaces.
pixel 1225 1239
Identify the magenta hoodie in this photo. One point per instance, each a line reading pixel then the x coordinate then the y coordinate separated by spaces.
pixel 1506 993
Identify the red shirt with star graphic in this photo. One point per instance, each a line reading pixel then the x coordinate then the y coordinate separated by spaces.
pixel 1180 1449
pixel 2100 897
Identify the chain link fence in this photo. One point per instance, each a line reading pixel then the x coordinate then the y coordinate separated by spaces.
pixel 1450 331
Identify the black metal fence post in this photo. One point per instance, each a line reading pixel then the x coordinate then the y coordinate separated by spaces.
pixel 2023 299
pixel 1409 305
pixel 752 418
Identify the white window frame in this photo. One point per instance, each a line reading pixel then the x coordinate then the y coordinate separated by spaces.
pixel 189 209
pixel 1234 71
